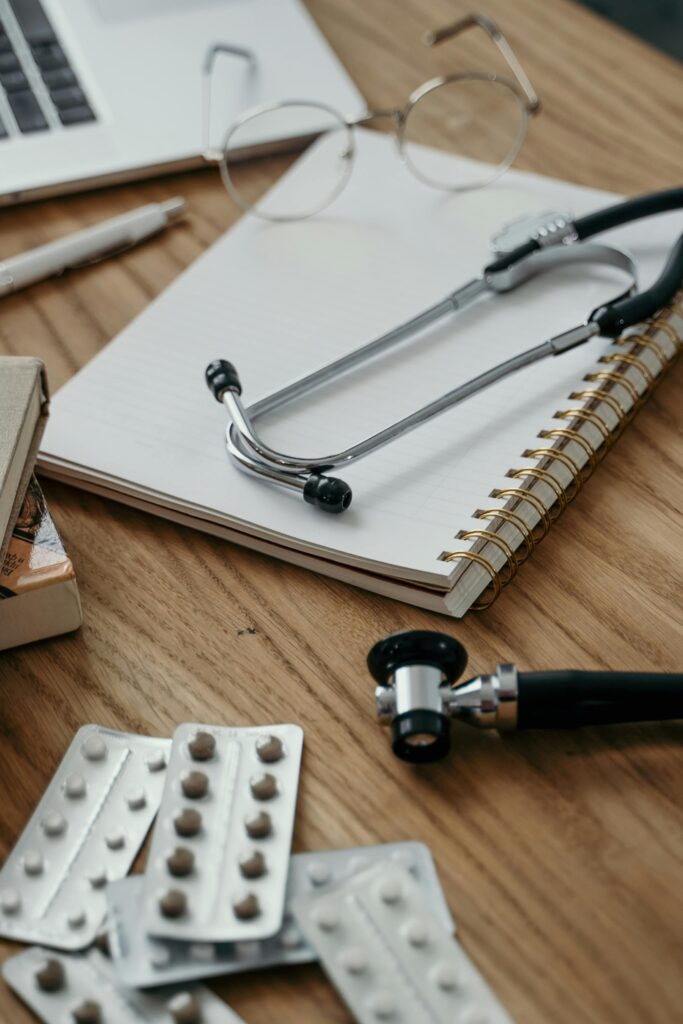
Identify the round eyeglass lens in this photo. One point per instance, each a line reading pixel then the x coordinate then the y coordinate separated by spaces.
pixel 480 119
pixel 286 127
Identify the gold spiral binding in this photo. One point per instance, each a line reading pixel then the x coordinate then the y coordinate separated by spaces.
pixel 472 556
pixel 619 378
pixel 573 435
pixel 521 494
pixel 644 342
pixel 506 516
pixel 493 538
pixel 547 478
pixel 626 357
pixel 567 462
pixel 531 537
pixel 600 395
pixel 588 416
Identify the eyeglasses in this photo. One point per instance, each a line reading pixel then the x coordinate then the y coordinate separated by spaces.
pixel 478 116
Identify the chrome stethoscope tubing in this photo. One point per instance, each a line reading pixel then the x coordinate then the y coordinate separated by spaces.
pixel 540 254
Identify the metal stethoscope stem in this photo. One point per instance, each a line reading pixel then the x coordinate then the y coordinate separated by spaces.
pixel 554 246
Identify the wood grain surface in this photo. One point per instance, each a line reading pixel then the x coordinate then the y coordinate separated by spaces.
pixel 561 854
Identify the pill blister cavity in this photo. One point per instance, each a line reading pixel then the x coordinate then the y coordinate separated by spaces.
pixel 263 786
pixel 188 823
pixel 33 864
pixel 87 1012
pixel 160 957
pixel 202 746
pixel 185 1008
pixel 475 1015
pixel 357 864
pixel 202 952
pixel 195 785
pixel 291 937
pixel 98 878
pixel 353 960
pixel 445 977
pixel 326 918
pixel 76 919
pixel 173 903
pixel 269 749
pixel 246 907
pixel 136 799
pixel 382 1006
pixel 258 825
pixel 405 860
pixel 115 839
pixel 417 933
pixel 247 951
pixel 54 825
pixel 156 762
pixel 181 862
pixel 253 864
pixel 50 976
pixel 318 872
pixel 10 902
pixel 75 787
pixel 94 748
pixel 390 891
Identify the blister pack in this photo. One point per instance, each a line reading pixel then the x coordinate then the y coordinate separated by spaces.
pixel 85 832
pixel 389 957
pixel 82 989
pixel 142 961
pixel 217 869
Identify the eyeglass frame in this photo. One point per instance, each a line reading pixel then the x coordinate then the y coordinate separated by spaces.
pixel 520 86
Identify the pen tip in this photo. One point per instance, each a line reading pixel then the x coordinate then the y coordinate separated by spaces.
pixel 174 207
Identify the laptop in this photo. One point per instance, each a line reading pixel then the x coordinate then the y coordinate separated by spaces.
pixel 99 91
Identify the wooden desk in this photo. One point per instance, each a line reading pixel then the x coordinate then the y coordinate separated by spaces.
pixel 561 855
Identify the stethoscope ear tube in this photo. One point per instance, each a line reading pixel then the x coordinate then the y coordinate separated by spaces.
pixel 569 699
pixel 630 210
pixel 616 317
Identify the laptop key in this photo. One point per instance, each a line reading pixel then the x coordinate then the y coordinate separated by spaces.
pixel 49 56
pixel 27 111
pixel 59 78
pixel 76 115
pixel 73 96
pixel 9 62
pixel 33 21
pixel 5 44
pixel 14 81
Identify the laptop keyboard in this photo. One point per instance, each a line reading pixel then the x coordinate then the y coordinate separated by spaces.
pixel 39 90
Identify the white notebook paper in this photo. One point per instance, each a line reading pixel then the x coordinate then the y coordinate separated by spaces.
pixel 279 300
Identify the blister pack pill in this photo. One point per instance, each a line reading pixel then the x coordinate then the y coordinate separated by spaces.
pixel 85 832
pixel 82 989
pixel 389 957
pixel 141 961
pixel 218 865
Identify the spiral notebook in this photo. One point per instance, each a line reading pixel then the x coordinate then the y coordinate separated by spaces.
pixel 441 518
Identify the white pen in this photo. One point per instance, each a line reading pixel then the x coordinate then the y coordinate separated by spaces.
pixel 105 239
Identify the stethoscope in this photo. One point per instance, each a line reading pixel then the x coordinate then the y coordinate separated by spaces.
pixel 417 695
pixel 553 243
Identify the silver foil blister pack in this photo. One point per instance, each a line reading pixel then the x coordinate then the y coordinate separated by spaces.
pixel 85 832
pixel 83 989
pixel 218 864
pixel 388 956
pixel 142 961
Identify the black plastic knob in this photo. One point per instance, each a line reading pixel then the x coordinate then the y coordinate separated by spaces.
pixel 421 737
pixel 417 647
pixel 222 376
pixel 327 493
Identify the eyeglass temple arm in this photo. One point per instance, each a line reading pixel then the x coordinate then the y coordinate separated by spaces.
pixel 440 35
pixel 218 49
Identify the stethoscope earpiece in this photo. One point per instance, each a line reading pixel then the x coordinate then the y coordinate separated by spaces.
pixel 416 672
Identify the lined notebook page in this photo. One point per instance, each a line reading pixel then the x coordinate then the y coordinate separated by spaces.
pixel 279 300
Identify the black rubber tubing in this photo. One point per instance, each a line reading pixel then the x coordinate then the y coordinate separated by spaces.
pixel 613 319
pixel 630 210
pixel 570 698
